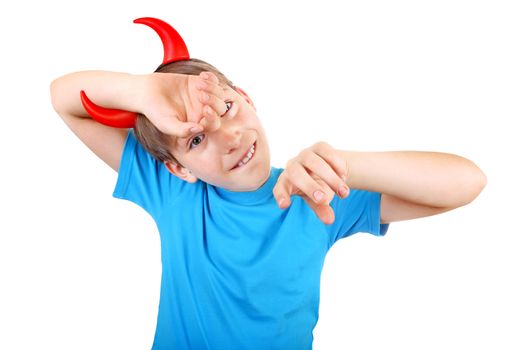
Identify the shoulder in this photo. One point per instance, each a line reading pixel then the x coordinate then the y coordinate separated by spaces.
pixel 144 180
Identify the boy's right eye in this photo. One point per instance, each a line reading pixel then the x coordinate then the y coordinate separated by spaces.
pixel 196 141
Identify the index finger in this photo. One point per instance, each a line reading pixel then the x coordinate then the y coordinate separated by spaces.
pixel 210 121
pixel 329 154
pixel 173 126
pixel 207 75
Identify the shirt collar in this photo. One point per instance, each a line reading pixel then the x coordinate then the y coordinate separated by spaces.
pixel 260 195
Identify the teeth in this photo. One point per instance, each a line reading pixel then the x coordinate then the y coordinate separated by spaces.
pixel 248 156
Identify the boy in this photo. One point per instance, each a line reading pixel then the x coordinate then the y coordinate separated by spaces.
pixel 241 256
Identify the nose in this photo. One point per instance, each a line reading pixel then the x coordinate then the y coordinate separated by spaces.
pixel 228 137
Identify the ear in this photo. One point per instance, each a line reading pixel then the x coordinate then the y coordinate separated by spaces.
pixel 180 171
pixel 245 96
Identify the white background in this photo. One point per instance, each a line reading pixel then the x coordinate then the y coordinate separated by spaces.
pixel 81 270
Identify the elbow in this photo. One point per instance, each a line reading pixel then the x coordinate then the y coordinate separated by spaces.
pixel 465 187
pixel 480 183
pixel 53 91
pixel 474 185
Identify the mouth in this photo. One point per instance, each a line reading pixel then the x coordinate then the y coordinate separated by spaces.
pixel 246 158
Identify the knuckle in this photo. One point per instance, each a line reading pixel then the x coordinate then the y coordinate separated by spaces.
pixel 214 102
pixel 211 75
pixel 217 90
pixel 290 164
pixel 310 160
pixel 204 97
pixel 318 144
pixel 208 111
pixel 293 170
pixel 304 153
pixel 322 145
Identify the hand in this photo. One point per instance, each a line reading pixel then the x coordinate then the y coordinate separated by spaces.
pixel 316 174
pixel 168 97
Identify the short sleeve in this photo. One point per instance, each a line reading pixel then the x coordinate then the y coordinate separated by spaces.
pixel 359 212
pixel 143 180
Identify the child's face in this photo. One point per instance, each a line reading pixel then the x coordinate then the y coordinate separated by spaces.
pixel 235 156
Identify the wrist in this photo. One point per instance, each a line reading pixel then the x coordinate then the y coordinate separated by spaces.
pixel 346 156
pixel 354 165
pixel 133 92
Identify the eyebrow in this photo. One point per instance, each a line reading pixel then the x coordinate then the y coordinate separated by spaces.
pixel 183 141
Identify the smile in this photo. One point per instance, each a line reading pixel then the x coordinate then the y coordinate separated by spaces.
pixel 246 158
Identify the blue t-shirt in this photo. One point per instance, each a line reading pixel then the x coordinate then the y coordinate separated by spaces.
pixel 237 271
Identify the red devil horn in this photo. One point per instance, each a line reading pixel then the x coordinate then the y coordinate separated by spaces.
pixel 116 118
pixel 174 50
pixel 174 47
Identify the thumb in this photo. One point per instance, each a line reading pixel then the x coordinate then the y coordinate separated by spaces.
pixel 324 212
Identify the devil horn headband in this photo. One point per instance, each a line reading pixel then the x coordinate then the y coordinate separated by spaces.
pixel 174 50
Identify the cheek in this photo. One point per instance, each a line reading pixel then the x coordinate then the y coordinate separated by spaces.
pixel 203 163
pixel 249 120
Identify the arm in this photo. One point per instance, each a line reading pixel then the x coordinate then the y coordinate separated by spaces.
pixel 412 184
pixel 151 94
pixel 104 88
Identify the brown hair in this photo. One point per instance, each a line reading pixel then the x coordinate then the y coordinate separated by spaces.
pixel 154 141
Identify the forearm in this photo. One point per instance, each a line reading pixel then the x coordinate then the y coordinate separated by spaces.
pixel 427 178
pixel 108 89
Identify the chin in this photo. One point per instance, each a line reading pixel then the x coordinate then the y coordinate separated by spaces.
pixel 261 179
pixel 251 181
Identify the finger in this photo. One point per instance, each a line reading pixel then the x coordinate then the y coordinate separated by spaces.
pixel 323 169
pixel 332 157
pixel 173 126
pixel 282 192
pixel 211 120
pixel 217 104
pixel 213 88
pixel 209 76
pixel 324 212
pixel 299 177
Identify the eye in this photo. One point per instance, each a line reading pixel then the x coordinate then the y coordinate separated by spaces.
pixel 196 141
pixel 229 105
